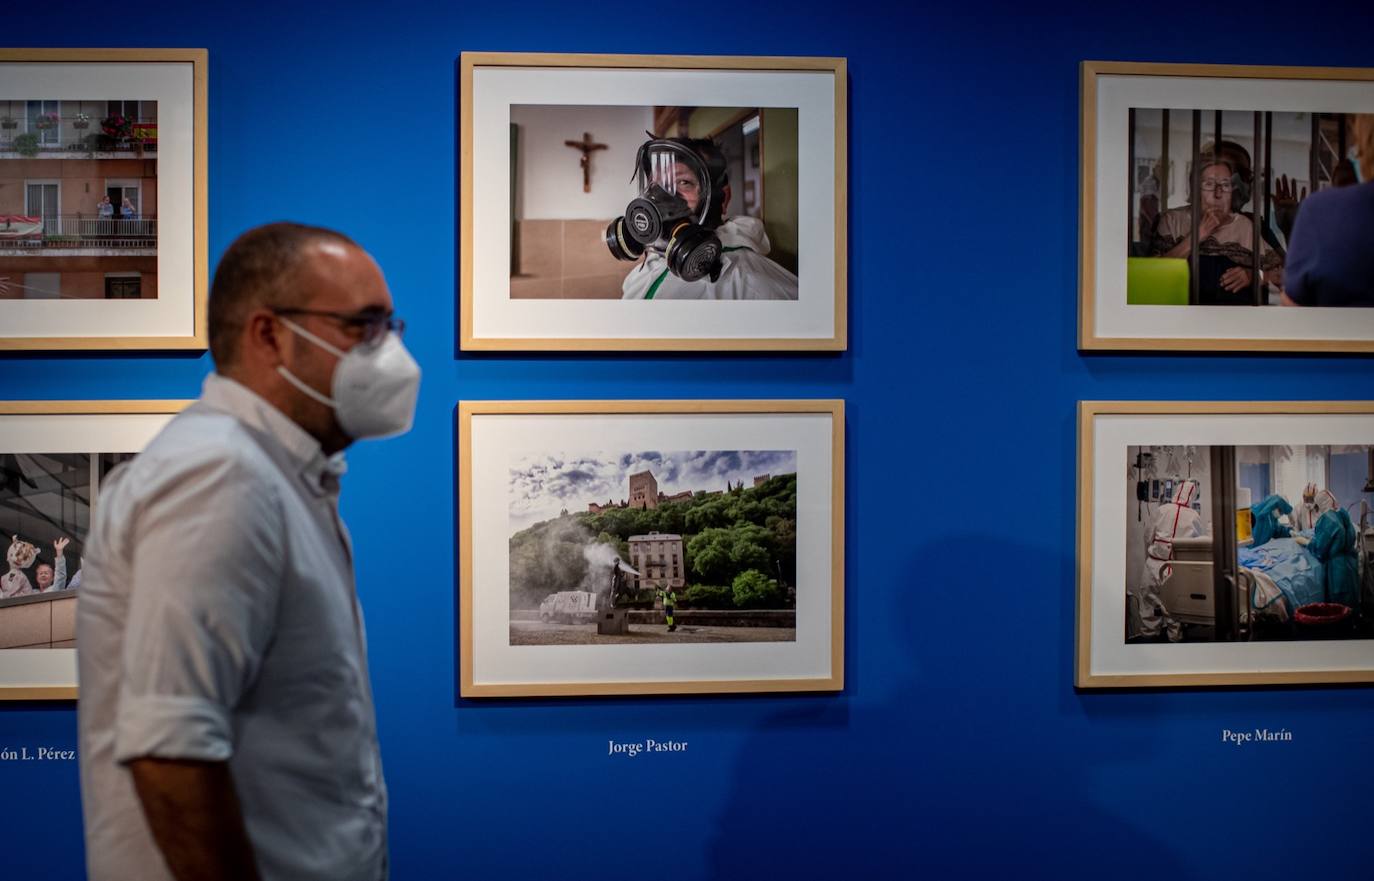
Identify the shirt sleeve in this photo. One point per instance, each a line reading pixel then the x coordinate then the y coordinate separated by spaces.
pixel 753 277
pixel 1300 271
pixel 208 552
pixel 1170 230
pixel 59 573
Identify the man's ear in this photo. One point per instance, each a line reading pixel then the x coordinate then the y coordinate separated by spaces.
pixel 724 198
pixel 262 337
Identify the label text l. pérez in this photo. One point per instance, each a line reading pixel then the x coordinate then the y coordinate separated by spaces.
pixel 44 754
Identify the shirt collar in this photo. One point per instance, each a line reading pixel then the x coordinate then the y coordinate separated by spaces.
pixel 320 472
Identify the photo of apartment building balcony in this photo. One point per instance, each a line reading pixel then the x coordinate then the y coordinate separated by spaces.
pixel 78 199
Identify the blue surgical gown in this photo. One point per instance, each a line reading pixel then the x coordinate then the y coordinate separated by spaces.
pixel 1333 542
pixel 1267 525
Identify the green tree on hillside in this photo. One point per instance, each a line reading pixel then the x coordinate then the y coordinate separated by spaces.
pixel 754 590
pixel 718 555
pixel 726 535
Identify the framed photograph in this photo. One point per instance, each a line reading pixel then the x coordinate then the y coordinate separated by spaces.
pixel 1225 543
pixel 652 203
pixel 651 547
pixel 103 199
pixel 53 457
pixel 1217 212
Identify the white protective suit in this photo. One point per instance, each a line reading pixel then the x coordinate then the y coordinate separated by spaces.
pixel 747 273
pixel 1306 515
pixel 1175 519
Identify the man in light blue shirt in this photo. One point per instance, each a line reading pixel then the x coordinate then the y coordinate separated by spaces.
pixel 226 716
pixel 53 577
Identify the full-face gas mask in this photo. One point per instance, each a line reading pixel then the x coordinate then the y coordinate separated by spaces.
pixel 679 203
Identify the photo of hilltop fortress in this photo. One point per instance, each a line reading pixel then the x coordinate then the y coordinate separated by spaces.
pixel 645 494
pixel 710 534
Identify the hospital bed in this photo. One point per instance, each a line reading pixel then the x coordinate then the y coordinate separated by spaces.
pixel 1189 593
pixel 1289 576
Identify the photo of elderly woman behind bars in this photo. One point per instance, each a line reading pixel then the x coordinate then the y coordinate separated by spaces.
pixel 1214 196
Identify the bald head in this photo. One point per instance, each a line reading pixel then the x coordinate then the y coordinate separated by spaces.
pixel 259 271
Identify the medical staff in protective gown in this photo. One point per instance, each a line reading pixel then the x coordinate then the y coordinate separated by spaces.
pixel 1175 519
pixel 1267 525
pixel 1333 543
pixel 1305 514
pixel 687 247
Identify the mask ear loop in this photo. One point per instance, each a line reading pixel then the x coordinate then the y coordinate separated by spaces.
pixel 294 380
pixel 305 389
pixel 323 344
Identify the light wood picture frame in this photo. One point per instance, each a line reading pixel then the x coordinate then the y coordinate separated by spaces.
pixel 77 127
pixel 1187 576
pixel 1146 131
pixel 557 497
pixel 53 455
pixel 535 272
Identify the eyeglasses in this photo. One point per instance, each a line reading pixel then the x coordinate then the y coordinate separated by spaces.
pixel 1223 186
pixel 370 327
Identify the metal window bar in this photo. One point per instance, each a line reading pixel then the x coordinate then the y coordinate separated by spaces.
pixel 1164 164
pixel 1195 205
pixel 1326 170
pixel 1256 286
pixel 1131 211
pixel 1268 166
pixel 1313 162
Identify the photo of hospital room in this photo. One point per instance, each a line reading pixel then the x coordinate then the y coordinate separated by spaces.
pixel 45 515
pixel 573 173
pixel 1249 543
pixel 1214 196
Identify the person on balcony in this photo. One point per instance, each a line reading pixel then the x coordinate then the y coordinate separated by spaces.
pixel 53 578
pixel 105 210
pixel 127 211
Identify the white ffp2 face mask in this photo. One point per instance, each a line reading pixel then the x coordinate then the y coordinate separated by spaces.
pixel 374 387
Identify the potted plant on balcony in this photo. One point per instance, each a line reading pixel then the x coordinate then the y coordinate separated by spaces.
pixel 8 123
pixel 46 121
pixel 26 144
pixel 82 121
pixel 116 130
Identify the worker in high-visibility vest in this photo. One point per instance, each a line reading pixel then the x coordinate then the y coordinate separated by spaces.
pixel 669 601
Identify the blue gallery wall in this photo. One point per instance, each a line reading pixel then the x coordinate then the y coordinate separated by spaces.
pixel 959 747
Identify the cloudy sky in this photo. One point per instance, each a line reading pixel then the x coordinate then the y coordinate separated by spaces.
pixel 541 486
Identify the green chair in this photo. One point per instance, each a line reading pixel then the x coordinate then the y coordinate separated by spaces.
pixel 1156 281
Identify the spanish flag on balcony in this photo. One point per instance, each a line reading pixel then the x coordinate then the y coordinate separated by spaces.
pixel 16 226
pixel 145 132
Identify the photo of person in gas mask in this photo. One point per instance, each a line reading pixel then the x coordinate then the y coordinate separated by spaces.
pixel 678 228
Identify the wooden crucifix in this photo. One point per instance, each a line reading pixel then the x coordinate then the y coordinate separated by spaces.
pixel 587 146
